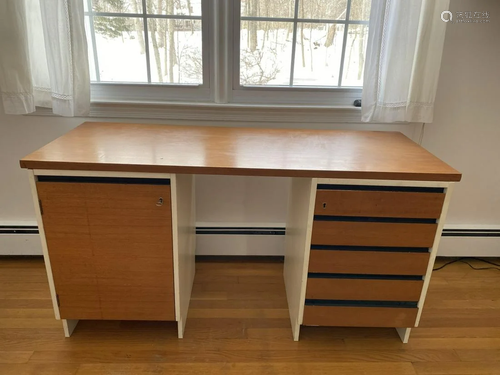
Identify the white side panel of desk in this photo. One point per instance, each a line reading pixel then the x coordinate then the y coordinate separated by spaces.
pixel 434 250
pixel 69 326
pixel 297 244
pixel 184 240
pixel 41 231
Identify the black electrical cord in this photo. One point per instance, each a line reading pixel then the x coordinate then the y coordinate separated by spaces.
pixel 446 264
pixel 464 260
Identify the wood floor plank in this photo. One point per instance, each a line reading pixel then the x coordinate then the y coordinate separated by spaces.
pixel 242 323
pixel 35 262
pixel 228 368
pixel 456 332
pixel 23 286
pixel 25 313
pixel 457 368
pixel 278 303
pixel 261 280
pixel 479 355
pixel 39 369
pixel 324 333
pixel 20 275
pixel 245 356
pixel 24 294
pixel 437 317
pixel 210 296
pixel 464 304
pixel 255 288
pixel 228 271
pixel 238 313
pixel 15 356
pixel 211 278
pixel 425 343
pixel 44 303
pixel 29 323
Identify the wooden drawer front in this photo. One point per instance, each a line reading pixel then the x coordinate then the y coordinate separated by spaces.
pixel 397 204
pixel 364 289
pixel 368 262
pixel 110 247
pixel 355 233
pixel 347 316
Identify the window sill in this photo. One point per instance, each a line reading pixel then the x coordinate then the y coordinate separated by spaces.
pixel 221 112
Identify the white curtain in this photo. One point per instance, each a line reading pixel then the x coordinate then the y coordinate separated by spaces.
pixel 43 57
pixel 403 59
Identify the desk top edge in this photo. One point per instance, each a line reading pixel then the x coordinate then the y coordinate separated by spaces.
pixel 99 146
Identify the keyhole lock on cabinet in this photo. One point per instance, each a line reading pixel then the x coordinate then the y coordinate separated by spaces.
pixel 159 203
pixel 324 205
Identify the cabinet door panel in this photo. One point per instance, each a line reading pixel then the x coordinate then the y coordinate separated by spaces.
pixel 68 240
pixel 128 241
pixel 110 247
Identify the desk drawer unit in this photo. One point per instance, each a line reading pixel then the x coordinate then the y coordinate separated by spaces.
pixel 370 249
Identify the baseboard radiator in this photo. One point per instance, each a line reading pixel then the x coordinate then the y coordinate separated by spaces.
pixel 264 240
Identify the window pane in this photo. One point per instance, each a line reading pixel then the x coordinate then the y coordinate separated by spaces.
pixel 320 9
pixel 120 50
pixel 174 7
pixel 267 8
pixel 317 54
pixel 355 51
pixel 117 6
pixel 175 51
pixel 360 10
pixel 265 52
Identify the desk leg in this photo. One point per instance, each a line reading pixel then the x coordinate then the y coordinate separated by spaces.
pixel 69 326
pixel 404 333
pixel 184 241
pixel 297 247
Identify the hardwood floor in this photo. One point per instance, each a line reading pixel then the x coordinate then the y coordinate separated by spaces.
pixel 238 324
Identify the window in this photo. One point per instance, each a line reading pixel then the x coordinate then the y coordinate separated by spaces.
pixel 146 44
pixel 303 42
pixel 303 52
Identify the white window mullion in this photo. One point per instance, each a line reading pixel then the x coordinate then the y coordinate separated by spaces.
pixel 294 40
pixel 222 42
pixel 344 43
pixel 92 36
pixel 146 41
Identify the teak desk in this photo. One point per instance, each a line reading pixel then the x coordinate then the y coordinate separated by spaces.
pixel 115 208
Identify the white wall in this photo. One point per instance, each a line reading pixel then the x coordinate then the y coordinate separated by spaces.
pixel 465 134
pixel 466 128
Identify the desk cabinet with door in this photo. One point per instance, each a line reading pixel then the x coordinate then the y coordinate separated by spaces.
pixel 115 206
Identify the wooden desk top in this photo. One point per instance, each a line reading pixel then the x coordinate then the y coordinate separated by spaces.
pixel 240 151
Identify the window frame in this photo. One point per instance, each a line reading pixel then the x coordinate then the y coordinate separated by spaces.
pixel 151 92
pixel 297 95
pixel 221 87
